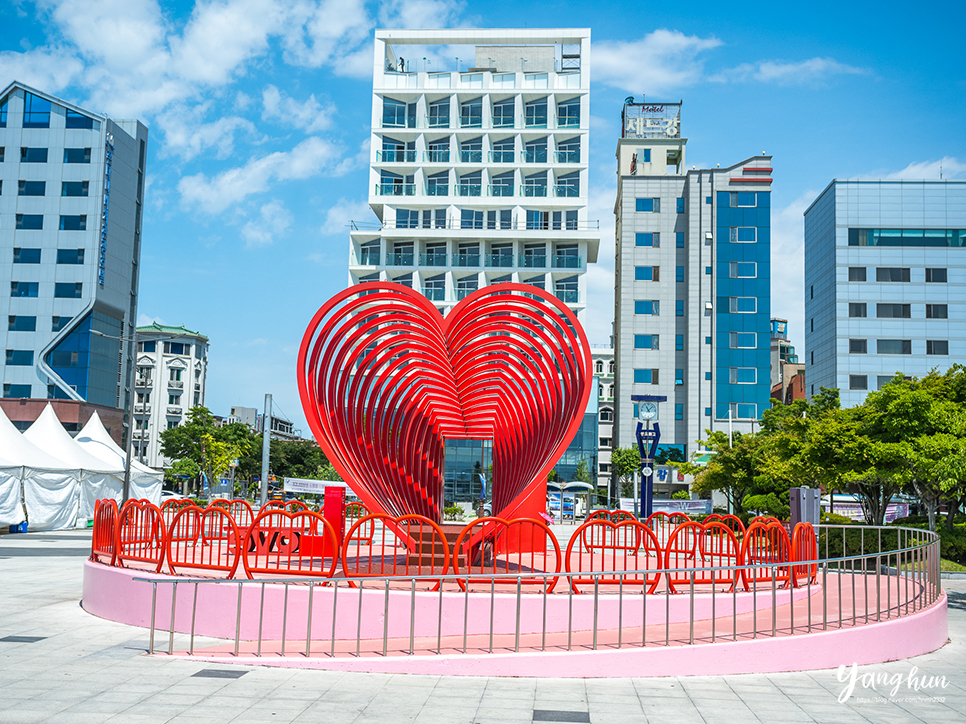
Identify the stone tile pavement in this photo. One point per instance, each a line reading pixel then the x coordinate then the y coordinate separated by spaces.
pixel 84 669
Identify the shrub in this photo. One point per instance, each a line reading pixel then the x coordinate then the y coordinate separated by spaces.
pixel 453 512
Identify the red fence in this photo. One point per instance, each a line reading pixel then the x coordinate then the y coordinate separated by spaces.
pixel 223 539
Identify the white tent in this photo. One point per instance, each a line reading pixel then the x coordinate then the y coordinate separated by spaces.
pixel 96 478
pixel 96 440
pixel 52 483
pixel 11 510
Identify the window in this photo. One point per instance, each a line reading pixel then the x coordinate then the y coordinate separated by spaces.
pixel 907 237
pixel 33 155
pixel 856 273
pixel 743 411
pixel 680 206
pixel 70 256
pixel 891 274
pixel 857 309
pixel 58 323
pixel 30 221
pixel 893 311
pixel 174 375
pixel 20 357
pixel 893 346
pixel 744 234
pixel 647 306
pixel 679 342
pixel 36 112
pixel 3 118
pixel 568 113
pixel 743 198
pixel 811 324
pixel 17 391
pixel 743 269
pixel 31 188
pixel 649 205
pixel 471 113
pixel 604 442
pixel 858 346
pixel 679 239
pixel 937 346
pixel 743 340
pixel 858 382
pixel 78 120
pixel 647 273
pixel 68 290
pixel 174 399
pixel 77 155
pixel 936 276
pixel 23 289
pixel 937 311
pixel 20 323
pixel 679 274
pixel 73 223
pixel 26 256
pixel 707 270
pixel 647 239
pixel 63 359
pixel 599 367
pixel 646 377
pixel 678 377
pixel 811 291
pixel 503 114
pixel 743 375
pixel 679 308
pixel 743 305
pixel 172 424
pixel 646 341
pixel 535 113
pixel 882 381
pixel 74 188
pixel 606 414
pixel 176 348
pixel 707 200
pixel 644 155
pixel 678 411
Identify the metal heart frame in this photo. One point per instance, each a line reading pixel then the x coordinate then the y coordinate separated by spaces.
pixel 385 379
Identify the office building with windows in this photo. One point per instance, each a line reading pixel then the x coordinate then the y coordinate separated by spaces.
pixel 71 186
pixel 604 377
pixel 692 286
pixel 885 283
pixel 172 366
pixel 478 169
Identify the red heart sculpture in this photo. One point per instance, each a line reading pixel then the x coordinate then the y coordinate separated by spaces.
pixel 385 380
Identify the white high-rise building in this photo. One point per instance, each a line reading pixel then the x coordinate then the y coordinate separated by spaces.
pixel 71 187
pixel 478 170
pixel 693 284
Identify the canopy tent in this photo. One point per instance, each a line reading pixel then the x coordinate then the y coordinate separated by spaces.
pixel 96 478
pixel 39 472
pixel 96 440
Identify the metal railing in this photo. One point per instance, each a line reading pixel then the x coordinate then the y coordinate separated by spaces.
pixel 466 259
pixel 566 261
pixel 469 189
pixel 500 260
pixel 568 296
pixel 400 259
pixel 532 261
pixel 390 189
pixel 396 156
pixel 455 223
pixel 433 259
pixel 883 573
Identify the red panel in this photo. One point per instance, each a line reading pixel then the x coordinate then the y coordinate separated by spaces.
pixel 482 550
pixel 280 542
pixel 104 535
pixel 203 539
pixel 385 380
pixel 140 534
pixel 602 546
pixel 750 180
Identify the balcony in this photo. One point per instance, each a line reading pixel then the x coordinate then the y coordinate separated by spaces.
pixel 140 434
pixel 501 156
pixel 533 261
pixel 396 156
pixel 568 296
pixel 499 190
pixel 369 258
pixel 438 121
pixel 533 190
pixel 503 260
pixel 465 189
pixel 535 121
pixel 534 155
pixel 175 385
pixel 142 382
pixel 566 190
pixel 436 156
pixel 392 189
pixel 466 259
pixel 400 259
pixel 463 293
pixel 434 294
pixel 504 121
pixel 568 121
pixel 174 409
pixel 471 156
pixel 471 121
pixel 567 156
pixel 566 261
pixel 433 259
pixel 437 189
pixel 142 409
pixel 197 387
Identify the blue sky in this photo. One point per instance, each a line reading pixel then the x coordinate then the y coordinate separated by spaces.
pixel 258 113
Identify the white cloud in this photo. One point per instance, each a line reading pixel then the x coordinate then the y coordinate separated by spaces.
pixel 599 319
pixel 48 69
pixel 144 320
pixel 213 195
pixel 661 62
pixel 803 72
pixel 186 135
pixel 310 116
pixel 273 222
pixel 947 166
pixel 417 14
pixel 329 33
pixel 345 210
pixel 788 265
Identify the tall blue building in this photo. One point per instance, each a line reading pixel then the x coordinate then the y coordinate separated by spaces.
pixel 693 283
pixel 885 283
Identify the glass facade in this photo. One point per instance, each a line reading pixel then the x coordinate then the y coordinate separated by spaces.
pixel 464 460
pixel 89 362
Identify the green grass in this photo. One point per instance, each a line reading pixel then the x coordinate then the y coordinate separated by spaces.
pixel 952 566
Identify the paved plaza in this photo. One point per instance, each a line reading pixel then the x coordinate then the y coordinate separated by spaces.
pixel 60 664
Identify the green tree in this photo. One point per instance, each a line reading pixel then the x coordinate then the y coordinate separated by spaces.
pixel 327 471
pixel 582 472
pixel 209 447
pixel 626 463
pixel 733 469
